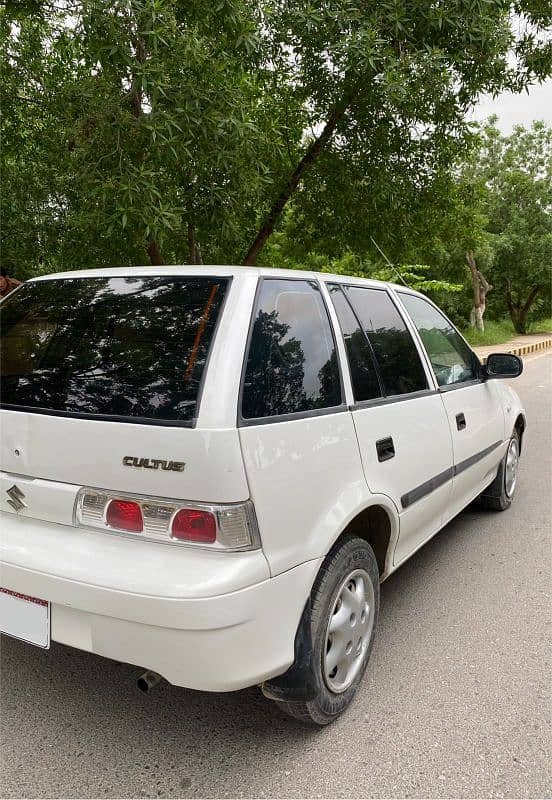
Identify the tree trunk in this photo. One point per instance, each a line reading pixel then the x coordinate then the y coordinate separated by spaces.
pixel 476 318
pixel 192 248
pixel 154 253
pixel 199 257
pixel 480 289
pixel 311 154
pixel 518 311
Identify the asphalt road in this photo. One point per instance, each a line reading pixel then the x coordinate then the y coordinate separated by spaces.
pixel 455 702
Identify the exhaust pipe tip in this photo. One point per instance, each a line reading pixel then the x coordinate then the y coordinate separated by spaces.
pixel 148 680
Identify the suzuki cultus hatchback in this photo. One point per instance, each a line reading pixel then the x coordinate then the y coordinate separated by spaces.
pixel 208 471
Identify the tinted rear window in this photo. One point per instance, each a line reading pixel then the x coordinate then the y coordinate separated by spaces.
pixel 122 347
pixel 397 356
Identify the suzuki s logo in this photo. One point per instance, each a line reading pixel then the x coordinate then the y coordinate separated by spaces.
pixel 154 463
pixel 16 498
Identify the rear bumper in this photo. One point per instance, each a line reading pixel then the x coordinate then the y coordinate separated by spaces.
pixel 218 640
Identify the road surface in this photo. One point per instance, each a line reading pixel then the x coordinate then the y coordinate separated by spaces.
pixel 455 702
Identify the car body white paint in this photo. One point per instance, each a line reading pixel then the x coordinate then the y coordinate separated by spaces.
pixel 214 620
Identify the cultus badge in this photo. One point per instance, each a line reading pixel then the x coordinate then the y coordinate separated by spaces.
pixel 154 463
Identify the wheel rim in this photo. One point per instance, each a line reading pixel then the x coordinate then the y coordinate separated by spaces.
pixel 510 473
pixel 349 630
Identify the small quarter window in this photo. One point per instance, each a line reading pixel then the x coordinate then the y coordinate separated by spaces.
pixel 397 356
pixel 292 361
pixel 361 364
pixel 451 358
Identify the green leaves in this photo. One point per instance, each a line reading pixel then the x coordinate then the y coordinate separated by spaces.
pixel 128 122
pixel 149 118
pixel 518 174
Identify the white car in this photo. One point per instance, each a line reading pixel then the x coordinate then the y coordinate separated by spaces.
pixel 208 471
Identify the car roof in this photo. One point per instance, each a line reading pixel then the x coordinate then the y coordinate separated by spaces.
pixel 216 271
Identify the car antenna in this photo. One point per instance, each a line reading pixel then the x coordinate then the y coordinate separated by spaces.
pixel 395 270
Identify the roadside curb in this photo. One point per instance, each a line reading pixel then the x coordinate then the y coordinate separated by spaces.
pixel 526 348
pixel 531 348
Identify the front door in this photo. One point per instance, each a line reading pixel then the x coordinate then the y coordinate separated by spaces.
pixel 473 409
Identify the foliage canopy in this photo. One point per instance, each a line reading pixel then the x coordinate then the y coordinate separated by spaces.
pixel 180 132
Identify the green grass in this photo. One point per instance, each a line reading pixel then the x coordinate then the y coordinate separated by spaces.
pixel 496 332
pixel 500 331
pixel 542 326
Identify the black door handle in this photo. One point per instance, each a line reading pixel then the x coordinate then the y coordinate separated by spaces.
pixel 460 422
pixel 385 449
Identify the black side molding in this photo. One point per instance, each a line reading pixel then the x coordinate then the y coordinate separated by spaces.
pixel 426 488
pixel 469 462
pixel 438 480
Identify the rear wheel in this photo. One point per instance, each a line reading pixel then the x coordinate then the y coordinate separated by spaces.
pixel 499 495
pixel 344 612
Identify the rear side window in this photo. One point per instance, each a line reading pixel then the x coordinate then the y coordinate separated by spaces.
pixel 292 362
pixel 364 377
pixel 451 358
pixel 117 347
pixel 397 356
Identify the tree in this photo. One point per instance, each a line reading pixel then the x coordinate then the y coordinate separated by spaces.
pixel 152 117
pixel 518 174
pixel 480 290
pixel 387 86
pixel 183 130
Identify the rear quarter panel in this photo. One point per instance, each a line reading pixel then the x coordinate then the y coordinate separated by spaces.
pixel 307 483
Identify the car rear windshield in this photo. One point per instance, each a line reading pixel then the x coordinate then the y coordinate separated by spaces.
pixel 110 347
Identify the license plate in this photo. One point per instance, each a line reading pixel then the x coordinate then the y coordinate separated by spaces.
pixel 24 617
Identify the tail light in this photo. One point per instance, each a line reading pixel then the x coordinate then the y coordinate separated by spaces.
pixel 124 515
pixel 219 527
pixel 192 525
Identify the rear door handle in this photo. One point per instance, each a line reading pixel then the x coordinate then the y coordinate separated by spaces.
pixel 385 449
pixel 460 422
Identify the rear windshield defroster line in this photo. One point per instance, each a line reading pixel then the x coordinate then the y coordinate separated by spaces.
pixel 119 348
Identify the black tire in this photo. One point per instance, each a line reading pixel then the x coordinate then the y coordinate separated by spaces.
pixel 495 497
pixel 349 554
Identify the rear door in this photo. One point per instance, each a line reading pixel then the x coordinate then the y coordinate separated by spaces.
pixel 400 421
pixel 474 410
pixel 297 435
pixel 101 383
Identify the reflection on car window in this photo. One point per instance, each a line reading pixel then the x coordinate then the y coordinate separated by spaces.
pixel 292 362
pixel 397 356
pixel 450 356
pixel 130 347
pixel 363 372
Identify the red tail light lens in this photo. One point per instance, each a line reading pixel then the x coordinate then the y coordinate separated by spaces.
pixel 228 526
pixel 192 525
pixel 125 515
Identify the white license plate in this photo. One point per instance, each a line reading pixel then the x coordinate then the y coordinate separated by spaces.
pixel 26 618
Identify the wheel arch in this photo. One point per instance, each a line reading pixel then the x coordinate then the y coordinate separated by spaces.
pixel 519 426
pixel 377 525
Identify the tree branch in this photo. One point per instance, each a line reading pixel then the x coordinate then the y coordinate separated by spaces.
pixel 530 299
pixel 484 284
pixel 470 258
pixel 311 154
